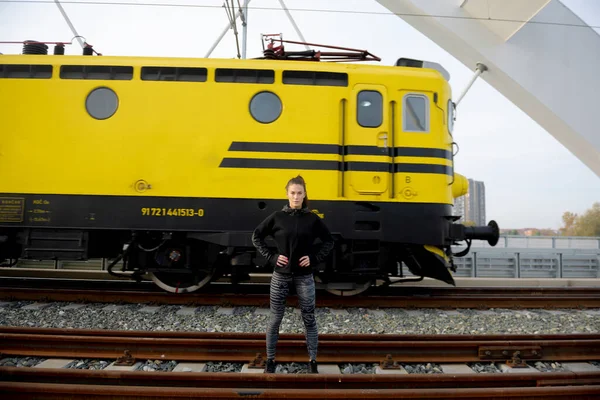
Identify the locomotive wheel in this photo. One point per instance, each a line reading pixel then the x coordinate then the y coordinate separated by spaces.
pixel 356 288
pixel 173 253
pixel 180 283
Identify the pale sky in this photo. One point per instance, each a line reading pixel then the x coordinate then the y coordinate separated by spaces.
pixel 526 185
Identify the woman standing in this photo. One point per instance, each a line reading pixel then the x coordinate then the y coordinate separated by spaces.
pixel 294 230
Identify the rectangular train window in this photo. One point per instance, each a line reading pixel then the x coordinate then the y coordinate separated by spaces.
pixel 174 74
pixel 101 72
pixel 369 108
pixel 415 113
pixel 25 71
pixel 244 75
pixel 315 78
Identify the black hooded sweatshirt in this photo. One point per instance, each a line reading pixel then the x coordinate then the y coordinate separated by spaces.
pixel 294 232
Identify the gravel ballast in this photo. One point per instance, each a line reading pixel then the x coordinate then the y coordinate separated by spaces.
pixel 21 361
pixel 484 368
pixel 357 368
pixel 249 319
pixel 223 367
pixel 88 363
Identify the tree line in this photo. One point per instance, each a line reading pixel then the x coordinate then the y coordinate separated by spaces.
pixel 586 224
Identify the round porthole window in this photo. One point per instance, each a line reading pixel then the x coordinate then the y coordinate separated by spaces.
pixel 102 103
pixel 265 107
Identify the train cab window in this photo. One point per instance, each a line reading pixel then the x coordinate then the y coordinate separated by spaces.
pixel 415 113
pixel 369 108
pixel 265 107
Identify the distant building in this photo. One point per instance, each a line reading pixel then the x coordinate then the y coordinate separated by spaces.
pixel 459 207
pixel 471 206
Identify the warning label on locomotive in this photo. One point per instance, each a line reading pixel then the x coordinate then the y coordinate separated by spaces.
pixel 11 209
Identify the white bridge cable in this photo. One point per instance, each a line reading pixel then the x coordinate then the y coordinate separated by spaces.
pixel 216 43
pixel 66 17
pixel 289 15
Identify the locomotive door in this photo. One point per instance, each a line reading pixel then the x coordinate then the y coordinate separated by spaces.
pixel 417 143
pixel 366 157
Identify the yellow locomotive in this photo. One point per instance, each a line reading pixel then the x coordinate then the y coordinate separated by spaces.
pixel 168 164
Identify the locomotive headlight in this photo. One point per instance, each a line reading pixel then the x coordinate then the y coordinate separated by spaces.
pixel 365 103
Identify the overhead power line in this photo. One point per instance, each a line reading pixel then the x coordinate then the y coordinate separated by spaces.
pixel 312 10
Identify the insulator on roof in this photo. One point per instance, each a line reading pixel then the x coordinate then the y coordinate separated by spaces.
pixel 59 49
pixel 33 47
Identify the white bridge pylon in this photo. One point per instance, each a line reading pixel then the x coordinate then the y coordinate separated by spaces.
pixel 550 71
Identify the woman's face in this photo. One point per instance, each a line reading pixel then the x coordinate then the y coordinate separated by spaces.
pixel 296 195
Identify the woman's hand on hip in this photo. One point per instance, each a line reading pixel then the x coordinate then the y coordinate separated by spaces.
pixel 282 261
pixel 305 261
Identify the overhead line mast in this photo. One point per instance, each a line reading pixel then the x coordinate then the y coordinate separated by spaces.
pixel 242 14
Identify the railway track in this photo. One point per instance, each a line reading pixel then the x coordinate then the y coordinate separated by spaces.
pixel 203 346
pixel 405 297
pixel 514 352
pixel 72 285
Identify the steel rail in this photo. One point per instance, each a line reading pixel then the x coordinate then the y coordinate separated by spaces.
pixel 411 297
pixel 284 381
pixel 292 348
pixel 15 390
pixel 292 336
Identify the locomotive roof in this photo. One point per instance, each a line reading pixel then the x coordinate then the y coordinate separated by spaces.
pixel 277 65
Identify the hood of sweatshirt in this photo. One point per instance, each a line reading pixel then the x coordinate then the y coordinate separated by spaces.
pixel 293 211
